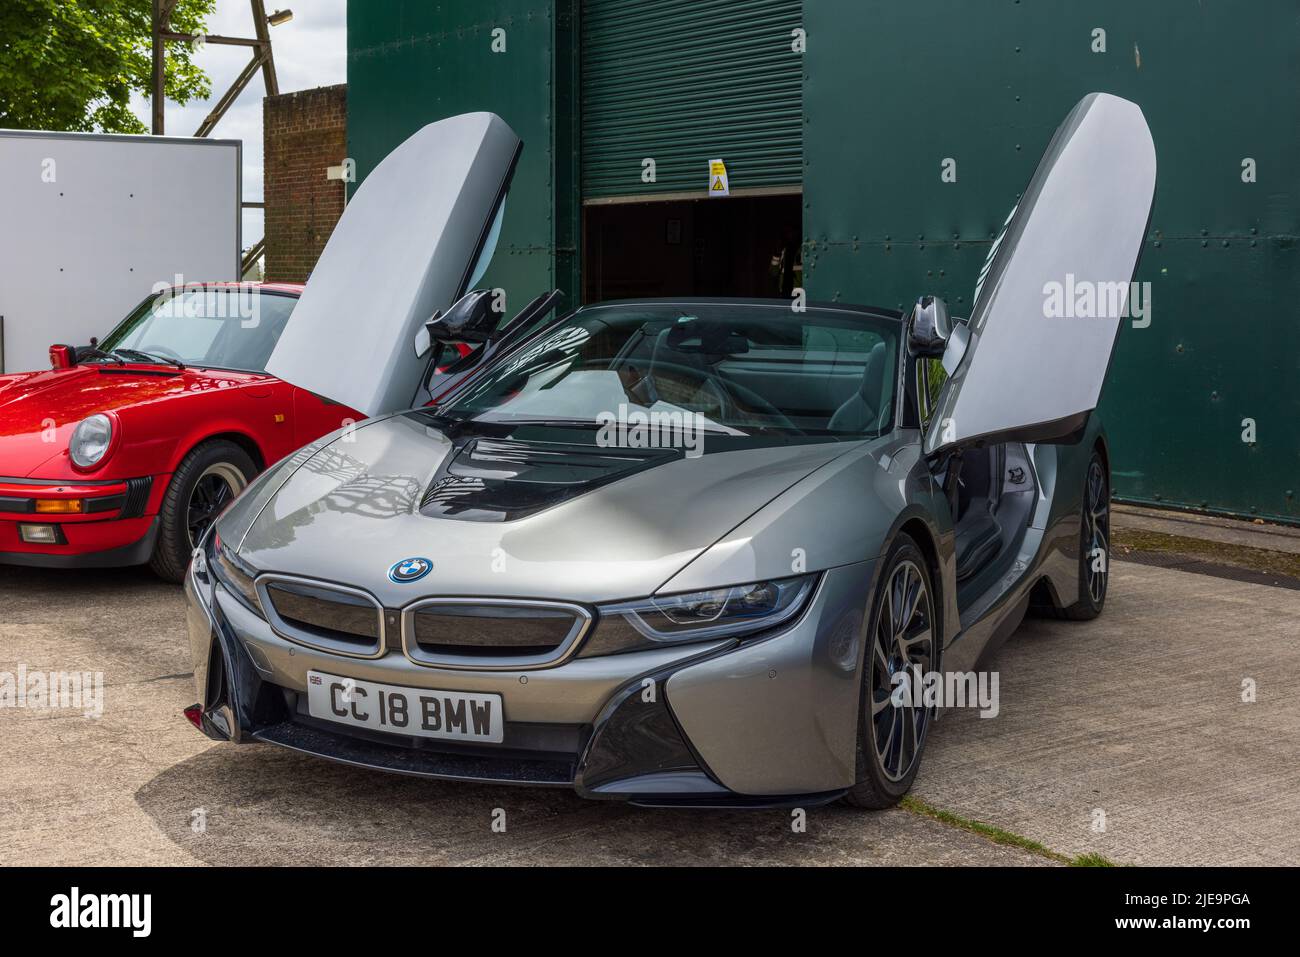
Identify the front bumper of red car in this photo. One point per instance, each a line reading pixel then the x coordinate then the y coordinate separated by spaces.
pixel 78 524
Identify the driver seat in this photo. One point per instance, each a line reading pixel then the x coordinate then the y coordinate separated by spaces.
pixel 859 412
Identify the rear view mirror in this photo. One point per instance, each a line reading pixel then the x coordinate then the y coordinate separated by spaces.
pixel 691 335
pixel 470 319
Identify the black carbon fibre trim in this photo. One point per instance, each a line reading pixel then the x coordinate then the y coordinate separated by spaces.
pixel 423 762
pixel 499 480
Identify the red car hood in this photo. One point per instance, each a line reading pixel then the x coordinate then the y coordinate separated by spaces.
pixel 39 410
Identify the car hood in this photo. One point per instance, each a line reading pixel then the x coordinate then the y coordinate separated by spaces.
pixel 508 517
pixel 39 410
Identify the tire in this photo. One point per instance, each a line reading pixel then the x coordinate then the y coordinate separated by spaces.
pixel 1094 534
pixel 208 478
pixel 885 766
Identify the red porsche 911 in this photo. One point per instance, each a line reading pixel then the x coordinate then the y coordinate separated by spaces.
pixel 125 451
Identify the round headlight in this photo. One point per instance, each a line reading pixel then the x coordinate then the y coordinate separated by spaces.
pixel 90 441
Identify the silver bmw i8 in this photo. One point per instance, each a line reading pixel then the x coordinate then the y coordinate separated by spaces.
pixel 676 552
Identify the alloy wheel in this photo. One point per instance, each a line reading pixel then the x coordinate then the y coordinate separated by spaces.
pixel 1096 532
pixel 902 640
pixel 213 491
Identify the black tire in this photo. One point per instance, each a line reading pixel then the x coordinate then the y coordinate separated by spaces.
pixel 1094 544
pixel 206 480
pixel 885 767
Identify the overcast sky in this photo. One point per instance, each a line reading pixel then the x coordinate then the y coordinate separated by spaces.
pixel 310 51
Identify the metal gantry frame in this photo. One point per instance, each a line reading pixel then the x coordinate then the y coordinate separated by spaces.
pixel 262 59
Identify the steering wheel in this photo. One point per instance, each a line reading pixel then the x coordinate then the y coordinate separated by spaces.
pixel 752 398
pixel 726 392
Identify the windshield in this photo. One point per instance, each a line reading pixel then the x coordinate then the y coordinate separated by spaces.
pixel 225 327
pixel 739 369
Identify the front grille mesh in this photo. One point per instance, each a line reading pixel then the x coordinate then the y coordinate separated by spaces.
pixel 496 634
pixel 325 617
pixel 489 630
pixel 486 632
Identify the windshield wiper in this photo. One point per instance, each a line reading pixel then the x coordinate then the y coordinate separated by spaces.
pixel 591 424
pixel 453 424
pixel 149 357
pixel 90 352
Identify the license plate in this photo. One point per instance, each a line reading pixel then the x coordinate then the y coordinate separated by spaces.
pixel 457 715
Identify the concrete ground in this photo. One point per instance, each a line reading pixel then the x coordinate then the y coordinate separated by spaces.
pixel 1137 715
pixel 1213 528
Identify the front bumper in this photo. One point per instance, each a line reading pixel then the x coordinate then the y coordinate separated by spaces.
pixel 722 723
pixel 116 527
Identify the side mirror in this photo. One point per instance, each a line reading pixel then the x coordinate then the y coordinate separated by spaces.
pixel 62 356
pixel 928 328
pixel 470 319
pixel 933 334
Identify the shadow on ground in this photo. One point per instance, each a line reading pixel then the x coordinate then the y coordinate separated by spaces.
pixel 266 805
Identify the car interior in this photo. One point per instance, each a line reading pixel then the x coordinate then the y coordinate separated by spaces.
pixel 991 489
pixel 816 386
pixel 740 368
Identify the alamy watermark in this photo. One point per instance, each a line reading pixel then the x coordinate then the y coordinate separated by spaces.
pixel 49 690
pixel 916 688
pixel 133 912
pixel 1085 299
pixel 652 429
pixel 207 300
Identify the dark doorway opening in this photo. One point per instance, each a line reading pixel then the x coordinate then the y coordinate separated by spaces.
pixel 742 246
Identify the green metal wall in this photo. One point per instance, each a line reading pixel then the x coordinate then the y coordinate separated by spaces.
pixel 893 89
pixel 685 81
pixel 412 62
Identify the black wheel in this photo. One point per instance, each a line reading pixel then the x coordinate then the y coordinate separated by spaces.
pixel 903 635
pixel 206 481
pixel 1094 544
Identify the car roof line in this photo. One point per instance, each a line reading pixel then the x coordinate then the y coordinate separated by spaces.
pixel 878 311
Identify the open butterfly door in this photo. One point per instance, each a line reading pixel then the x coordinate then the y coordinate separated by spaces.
pixel 1055 287
pixel 418 232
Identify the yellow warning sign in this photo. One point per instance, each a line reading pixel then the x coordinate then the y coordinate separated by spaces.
pixel 718 185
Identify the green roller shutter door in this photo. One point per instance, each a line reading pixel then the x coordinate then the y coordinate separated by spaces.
pixel 686 81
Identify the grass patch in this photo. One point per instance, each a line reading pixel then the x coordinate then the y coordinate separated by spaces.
pixel 1091 860
pixel 1125 540
pixel 998 836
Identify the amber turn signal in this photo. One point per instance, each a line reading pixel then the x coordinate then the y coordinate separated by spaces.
pixel 58 506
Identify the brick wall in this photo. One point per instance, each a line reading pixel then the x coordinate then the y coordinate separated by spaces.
pixel 304 134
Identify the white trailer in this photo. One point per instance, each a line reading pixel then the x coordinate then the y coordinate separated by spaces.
pixel 90 223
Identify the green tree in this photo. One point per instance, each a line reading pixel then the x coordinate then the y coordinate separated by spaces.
pixel 73 64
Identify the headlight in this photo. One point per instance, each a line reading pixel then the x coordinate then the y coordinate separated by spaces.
pixel 232 572
pixel 731 612
pixel 90 441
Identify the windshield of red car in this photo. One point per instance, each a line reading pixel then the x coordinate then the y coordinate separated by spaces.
pixel 222 327
pixel 738 368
